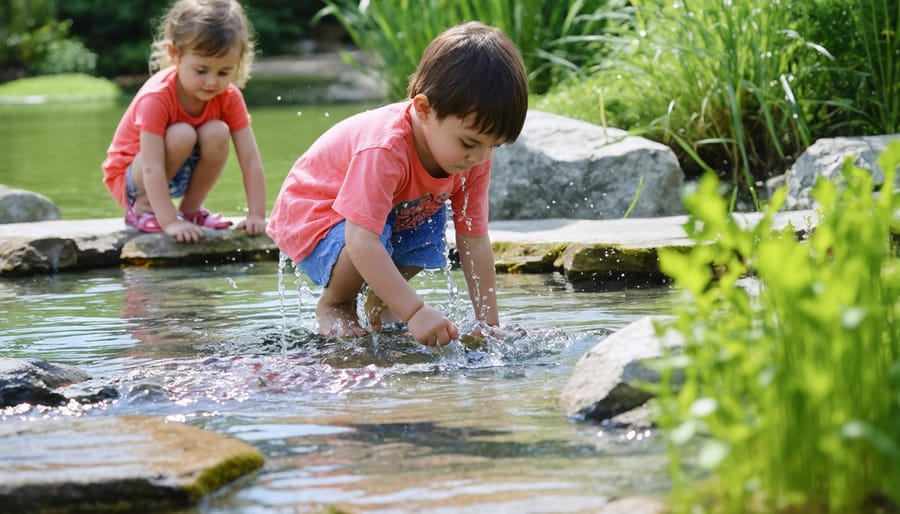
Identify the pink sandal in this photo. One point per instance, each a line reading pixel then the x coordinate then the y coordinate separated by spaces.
pixel 204 218
pixel 145 221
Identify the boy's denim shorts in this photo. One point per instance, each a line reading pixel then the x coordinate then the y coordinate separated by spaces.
pixel 177 186
pixel 424 246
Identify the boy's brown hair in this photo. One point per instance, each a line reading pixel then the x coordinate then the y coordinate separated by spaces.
pixel 473 68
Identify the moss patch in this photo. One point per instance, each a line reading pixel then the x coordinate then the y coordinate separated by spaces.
pixel 74 87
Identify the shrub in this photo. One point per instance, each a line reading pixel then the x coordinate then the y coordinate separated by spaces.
pixel 38 44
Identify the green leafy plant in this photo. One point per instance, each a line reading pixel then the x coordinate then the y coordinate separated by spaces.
pixel 556 39
pixel 790 397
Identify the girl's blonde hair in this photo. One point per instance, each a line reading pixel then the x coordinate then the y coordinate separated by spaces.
pixel 205 27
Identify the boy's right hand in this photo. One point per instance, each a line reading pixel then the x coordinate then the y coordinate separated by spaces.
pixel 184 231
pixel 430 327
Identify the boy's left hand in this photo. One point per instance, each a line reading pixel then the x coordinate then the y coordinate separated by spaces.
pixel 253 225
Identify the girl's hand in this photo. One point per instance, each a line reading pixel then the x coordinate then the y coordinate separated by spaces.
pixel 253 225
pixel 184 231
pixel 430 327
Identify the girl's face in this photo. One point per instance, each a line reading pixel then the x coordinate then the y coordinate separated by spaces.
pixel 201 77
pixel 451 145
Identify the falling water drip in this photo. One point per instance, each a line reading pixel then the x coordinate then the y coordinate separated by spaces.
pixel 305 297
pixel 462 212
pixel 456 310
pixel 282 262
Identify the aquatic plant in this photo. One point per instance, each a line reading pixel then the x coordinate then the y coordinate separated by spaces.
pixel 788 397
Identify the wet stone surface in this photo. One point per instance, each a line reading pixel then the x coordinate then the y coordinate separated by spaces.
pixel 114 464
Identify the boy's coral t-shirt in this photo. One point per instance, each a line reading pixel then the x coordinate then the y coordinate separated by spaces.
pixel 154 108
pixel 360 170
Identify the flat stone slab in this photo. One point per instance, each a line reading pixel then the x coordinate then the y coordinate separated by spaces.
pixel 114 464
pixel 583 249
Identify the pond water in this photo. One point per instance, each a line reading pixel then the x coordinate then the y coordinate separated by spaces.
pixel 57 149
pixel 377 424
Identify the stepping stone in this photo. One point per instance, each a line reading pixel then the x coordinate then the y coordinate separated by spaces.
pixel 114 464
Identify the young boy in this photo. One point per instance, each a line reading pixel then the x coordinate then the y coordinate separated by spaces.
pixel 366 203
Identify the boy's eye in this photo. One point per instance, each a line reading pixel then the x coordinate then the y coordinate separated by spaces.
pixel 466 144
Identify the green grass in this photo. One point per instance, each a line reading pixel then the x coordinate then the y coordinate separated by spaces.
pixel 790 400
pixel 58 88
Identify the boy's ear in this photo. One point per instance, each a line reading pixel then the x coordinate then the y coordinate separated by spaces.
pixel 422 107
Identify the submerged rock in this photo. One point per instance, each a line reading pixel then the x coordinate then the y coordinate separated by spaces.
pixel 36 382
pixel 114 464
pixel 607 380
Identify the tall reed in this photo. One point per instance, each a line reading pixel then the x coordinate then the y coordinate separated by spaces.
pixel 719 78
pixel 864 39
pixel 790 398
pixel 397 31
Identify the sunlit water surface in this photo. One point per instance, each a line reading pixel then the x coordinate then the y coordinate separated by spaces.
pixel 377 424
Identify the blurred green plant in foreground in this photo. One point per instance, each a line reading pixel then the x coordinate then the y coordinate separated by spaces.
pixel 788 400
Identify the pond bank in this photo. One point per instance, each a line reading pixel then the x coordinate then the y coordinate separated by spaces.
pixel 591 253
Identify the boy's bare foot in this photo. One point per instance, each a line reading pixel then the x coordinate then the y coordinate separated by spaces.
pixel 338 320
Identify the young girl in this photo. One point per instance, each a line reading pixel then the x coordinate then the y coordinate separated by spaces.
pixel 173 140
pixel 366 203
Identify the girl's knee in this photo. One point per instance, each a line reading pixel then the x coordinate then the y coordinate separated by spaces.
pixel 213 132
pixel 181 138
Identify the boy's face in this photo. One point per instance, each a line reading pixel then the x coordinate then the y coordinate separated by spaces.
pixel 453 145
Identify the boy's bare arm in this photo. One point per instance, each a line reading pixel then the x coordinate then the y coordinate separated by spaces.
pixel 476 255
pixel 428 325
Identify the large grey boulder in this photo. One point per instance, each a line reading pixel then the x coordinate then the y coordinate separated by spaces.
pixel 566 168
pixel 825 158
pixel 20 206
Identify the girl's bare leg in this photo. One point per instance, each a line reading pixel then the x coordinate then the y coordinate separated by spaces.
pixel 336 309
pixel 180 140
pixel 213 138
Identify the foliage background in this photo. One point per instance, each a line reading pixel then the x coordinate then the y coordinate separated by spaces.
pixel 734 87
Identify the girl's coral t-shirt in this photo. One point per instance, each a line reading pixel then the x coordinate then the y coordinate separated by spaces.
pixel 360 170
pixel 154 108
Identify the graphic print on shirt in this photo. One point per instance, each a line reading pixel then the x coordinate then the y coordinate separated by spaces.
pixel 413 213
